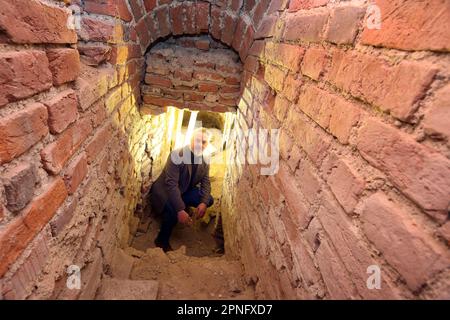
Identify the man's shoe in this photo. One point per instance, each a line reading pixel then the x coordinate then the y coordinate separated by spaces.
pixel 163 247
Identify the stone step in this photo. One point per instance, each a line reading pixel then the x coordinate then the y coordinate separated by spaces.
pixel 124 289
pixel 121 265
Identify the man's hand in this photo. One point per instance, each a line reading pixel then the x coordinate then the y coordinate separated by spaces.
pixel 201 210
pixel 184 218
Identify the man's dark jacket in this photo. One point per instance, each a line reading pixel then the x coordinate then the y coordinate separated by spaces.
pixel 175 180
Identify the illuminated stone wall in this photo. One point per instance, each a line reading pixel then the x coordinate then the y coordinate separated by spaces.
pixel 364 173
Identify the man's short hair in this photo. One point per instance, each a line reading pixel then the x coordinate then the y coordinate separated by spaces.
pixel 205 132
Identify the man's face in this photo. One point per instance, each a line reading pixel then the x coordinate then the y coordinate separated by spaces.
pixel 199 143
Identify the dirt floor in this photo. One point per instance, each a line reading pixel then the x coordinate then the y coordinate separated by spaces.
pixel 192 270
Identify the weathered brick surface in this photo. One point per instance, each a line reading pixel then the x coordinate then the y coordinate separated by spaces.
pixel 20 131
pixel 357 122
pixel 19 186
pixel 406 247
pixel 32 21
pixel 64 64
pixel 23 74
pixel 114 8
pixel 180 73
pixel 400 17
pixel 306 27
pixel 18 234
pixel 56 154
pixel 75 173
pixel 436 118
pixel 395 89
pixel 344 24
pixel 296 5
pixel 62 110
pixel 423 175
pixel 314 62
pixel 96 30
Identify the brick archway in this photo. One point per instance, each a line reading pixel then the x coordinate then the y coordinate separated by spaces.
pixel 364 171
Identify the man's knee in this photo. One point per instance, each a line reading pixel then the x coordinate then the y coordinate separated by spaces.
pixel 210 201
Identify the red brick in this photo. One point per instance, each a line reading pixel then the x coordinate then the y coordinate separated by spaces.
pixel 296 5
pixel 25 21
pixel 299 212
pixel 418 171
pixel 16 236
pixel 402 241
pixel 207 75
pixel 63 217
pixel 207 87
pixel 113 8
pixel 98 143
pixel 162 102
pixel 349 246
pixel 162 15
pixel 277 5
pixel 229 28
pixel 93 29
pixel 400 19
pixel 274 77
pixel 143 33
pixel 176 19
pixel 190 18
pixel 62 111
pixel 247 42
pixel 286 55
pixel 259 11
pixel 239 34
pixel 310 182
pixel 19 186
pixel 267 27
pixel 21 130
pixel 216 23
pixel 344 24
pixel 251 64
pixel 185 75
pixel 94 54
pixel 346 184
pixel 336 278
pixel 98 113
pixel 257 49
pixel 56 154
pixel 202 45
pixel 23 74
pixel 230 89
pixel 158 81
pixel 202 17
pixel 27 273
pixel 90 89
pixel 394 89
pixel 75 173
pixel 331 112
pixel 312 140
pixel 64 64
pixel 137 9
pixel 292 87
pixel 314 62
pixel 192 96
pixel 436 118
pixel 149 5
pixel 306 27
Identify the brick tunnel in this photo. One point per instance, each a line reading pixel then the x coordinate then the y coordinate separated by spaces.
pixel 95 94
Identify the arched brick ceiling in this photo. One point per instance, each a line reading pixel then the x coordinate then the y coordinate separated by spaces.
pixel 233 22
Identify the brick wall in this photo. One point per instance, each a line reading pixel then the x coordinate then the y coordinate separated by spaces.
pixel 197 73
pixel 364 171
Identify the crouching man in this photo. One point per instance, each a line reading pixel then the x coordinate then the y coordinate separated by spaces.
pixel 183 183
